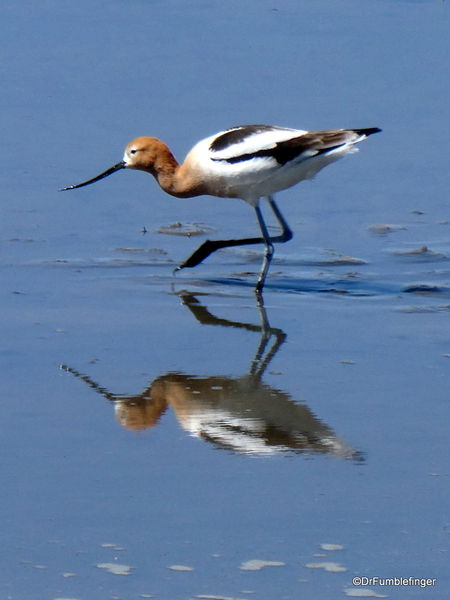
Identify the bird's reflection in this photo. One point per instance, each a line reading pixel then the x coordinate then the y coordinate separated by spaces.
pixel 242 414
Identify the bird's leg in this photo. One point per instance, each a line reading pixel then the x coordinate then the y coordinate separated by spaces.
pixel 268 251
pixel 286 233
pixel 210 246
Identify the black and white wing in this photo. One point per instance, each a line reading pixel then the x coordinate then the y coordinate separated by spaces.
pixel 280 145
pixel 259 160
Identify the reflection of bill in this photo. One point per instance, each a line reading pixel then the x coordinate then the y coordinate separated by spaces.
pixel 241 414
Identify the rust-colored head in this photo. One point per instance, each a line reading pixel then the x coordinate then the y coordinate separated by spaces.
pixel 144 154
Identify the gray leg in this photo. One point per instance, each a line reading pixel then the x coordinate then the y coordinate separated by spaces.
pixel 208 247
pixel 268 252
pixel 286 234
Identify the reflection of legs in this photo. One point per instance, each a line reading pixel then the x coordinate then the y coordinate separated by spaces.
pixel 262 359
pixel 209 246
pixel 263 354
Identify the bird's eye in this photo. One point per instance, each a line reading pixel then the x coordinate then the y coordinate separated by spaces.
pixel 133 151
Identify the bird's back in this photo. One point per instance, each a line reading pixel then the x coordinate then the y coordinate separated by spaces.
pixel 259 160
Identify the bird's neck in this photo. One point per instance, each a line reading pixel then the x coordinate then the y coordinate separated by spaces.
pixel 173 178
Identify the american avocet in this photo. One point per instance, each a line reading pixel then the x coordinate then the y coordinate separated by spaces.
pixel 247 162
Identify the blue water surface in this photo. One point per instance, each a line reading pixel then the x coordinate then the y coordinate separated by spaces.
pixel 156 421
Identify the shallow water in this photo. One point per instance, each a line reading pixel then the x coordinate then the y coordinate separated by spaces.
pixel 159 432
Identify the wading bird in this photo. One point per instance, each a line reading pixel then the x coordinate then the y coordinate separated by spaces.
pixel 249 162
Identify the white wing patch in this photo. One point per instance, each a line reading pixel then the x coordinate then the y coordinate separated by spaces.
pixel 255 142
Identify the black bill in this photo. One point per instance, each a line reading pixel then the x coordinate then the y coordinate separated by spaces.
pixel 110 171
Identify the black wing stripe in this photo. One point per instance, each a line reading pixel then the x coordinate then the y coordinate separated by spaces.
pixel 235 135
pixel 269 153
pixel 281 153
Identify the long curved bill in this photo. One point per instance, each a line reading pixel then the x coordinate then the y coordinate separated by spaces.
pixel 110 171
